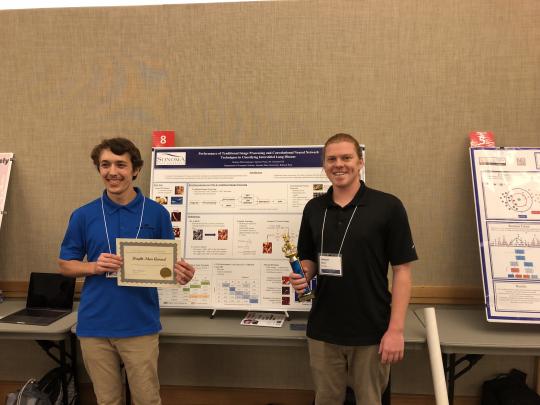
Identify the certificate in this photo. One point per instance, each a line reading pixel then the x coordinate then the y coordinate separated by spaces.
pixel 148 262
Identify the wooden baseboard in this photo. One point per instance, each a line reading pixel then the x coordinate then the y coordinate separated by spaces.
pixel 14 289
pixel 172 395
pixel 460 295
pixel 18 289
pixel 178 395
pixel 420 294
pixel 409 399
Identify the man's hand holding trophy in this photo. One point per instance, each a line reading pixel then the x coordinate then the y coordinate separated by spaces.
pixel 290 252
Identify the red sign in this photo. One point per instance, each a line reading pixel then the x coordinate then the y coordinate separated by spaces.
pixel 482 139
pixel 162 138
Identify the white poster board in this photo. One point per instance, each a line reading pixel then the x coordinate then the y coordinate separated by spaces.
pixel 6 160
pixel 507 196
pixel 230 207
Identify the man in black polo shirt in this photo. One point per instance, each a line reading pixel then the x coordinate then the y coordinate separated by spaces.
pixel 348 237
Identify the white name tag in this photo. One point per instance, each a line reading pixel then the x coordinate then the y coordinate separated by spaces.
pixel 330 265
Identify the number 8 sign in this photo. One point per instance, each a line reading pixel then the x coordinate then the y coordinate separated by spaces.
pixel 162 138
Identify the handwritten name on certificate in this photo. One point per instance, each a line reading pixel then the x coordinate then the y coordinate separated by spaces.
pixel 148 262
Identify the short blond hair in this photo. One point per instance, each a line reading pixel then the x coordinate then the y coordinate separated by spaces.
pixel 341 137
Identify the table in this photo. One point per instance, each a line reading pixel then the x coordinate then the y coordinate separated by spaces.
pixel 196 326
pixel 465 331
pixel 48 337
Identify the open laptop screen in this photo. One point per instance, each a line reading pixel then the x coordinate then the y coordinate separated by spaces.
pixel 50 290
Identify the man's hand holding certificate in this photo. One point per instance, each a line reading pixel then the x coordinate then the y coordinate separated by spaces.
pixel 151 263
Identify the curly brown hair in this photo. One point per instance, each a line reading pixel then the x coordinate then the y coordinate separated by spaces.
pixel 118 146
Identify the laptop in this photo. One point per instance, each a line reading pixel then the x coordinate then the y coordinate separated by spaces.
pixel 50 297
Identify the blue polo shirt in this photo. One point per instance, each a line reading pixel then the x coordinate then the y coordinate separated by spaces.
pixel 106 309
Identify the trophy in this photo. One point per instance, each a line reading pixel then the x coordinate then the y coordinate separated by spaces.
pixel 290 251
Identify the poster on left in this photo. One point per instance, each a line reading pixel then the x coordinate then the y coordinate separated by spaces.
pixel 6 160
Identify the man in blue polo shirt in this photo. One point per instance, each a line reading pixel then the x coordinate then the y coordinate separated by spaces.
pixel 348 237
pixel 117 324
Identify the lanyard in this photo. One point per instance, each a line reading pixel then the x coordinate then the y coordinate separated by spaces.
pixel 344 235
pixel 105 222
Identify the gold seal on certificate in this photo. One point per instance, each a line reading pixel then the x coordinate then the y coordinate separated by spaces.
pixel 165 272
pixel 147 262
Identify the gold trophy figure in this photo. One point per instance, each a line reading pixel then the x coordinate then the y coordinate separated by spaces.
pixel 290 251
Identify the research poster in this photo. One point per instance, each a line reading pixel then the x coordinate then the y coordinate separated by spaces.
pixel 507 196
pixel 229 208
pixel 6 160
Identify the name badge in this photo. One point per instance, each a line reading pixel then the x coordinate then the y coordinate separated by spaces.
pixel 330 265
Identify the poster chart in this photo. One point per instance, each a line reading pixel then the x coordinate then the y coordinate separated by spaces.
pixel 6 160
pixel 507 196
pixel 230 207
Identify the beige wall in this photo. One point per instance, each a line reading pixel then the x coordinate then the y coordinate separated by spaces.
pixel 409 78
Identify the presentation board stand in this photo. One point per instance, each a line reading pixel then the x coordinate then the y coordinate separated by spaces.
pixel 506 185
pixel 6 161
pixel 285 312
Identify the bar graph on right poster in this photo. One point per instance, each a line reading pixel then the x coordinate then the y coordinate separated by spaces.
pixel 506 184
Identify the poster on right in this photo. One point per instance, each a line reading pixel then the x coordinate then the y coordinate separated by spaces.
pixel 506 184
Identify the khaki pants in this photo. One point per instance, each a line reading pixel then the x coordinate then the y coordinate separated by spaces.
pixel 103 357
pixel 334 367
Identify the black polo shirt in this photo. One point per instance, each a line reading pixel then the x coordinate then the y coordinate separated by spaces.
pixel 354 309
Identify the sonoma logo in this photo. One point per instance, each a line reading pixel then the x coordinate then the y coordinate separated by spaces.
pixel 170 158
